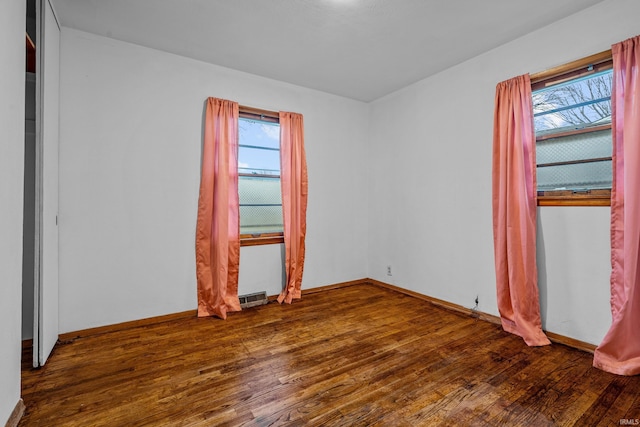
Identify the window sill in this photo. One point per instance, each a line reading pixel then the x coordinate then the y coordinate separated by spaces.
pixel 570 198
pixel 261 239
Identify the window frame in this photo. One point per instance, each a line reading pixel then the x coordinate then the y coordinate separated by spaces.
pixel 588 65
pixel 260 238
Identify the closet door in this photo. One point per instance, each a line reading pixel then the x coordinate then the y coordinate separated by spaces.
pixel 46 253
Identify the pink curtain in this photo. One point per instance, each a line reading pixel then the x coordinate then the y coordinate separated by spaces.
pixel 218 224
pixel 619 352
pixel 293 177
pixel 514 211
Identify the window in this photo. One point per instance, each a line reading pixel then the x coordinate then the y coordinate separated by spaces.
pixel 259 189
pixel 572 119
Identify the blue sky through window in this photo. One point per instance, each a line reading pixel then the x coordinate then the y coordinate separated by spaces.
pixel 259 147
pixel 577 103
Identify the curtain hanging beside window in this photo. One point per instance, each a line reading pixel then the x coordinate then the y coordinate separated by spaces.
pixel 514 211
pixel 218 224
pixel 294 182
pixel 619 352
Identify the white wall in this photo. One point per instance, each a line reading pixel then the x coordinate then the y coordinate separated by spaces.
pixel 404 181
pixel 130 140
pixel 430 192
pixel 573 271
pixel 12 86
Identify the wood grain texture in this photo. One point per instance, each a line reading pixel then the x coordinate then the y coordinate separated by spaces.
pixel 16 414
pixel 360 355
pixel 123 326
pixel 595 59
pixel 553 337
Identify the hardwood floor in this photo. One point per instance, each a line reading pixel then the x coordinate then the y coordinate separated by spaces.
pixel 357 356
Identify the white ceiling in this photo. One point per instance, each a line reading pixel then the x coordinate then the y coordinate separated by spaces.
pixel 360 49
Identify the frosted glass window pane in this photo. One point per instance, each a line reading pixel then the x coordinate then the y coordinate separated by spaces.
pixel 260 205
pixel 574 147
pixel 579 176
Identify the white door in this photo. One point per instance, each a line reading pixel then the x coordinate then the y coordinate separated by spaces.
pixel 45 334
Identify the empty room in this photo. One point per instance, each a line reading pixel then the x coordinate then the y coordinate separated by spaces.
pixel 319 212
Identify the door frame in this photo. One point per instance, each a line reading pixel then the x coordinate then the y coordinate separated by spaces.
pixel 44 340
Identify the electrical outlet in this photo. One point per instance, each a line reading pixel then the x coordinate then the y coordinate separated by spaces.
pixel 388 270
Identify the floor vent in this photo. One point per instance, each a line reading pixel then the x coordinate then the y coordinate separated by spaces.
pixel 252 300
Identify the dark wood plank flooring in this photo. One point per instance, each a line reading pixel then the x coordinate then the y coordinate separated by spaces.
pixel 356 356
